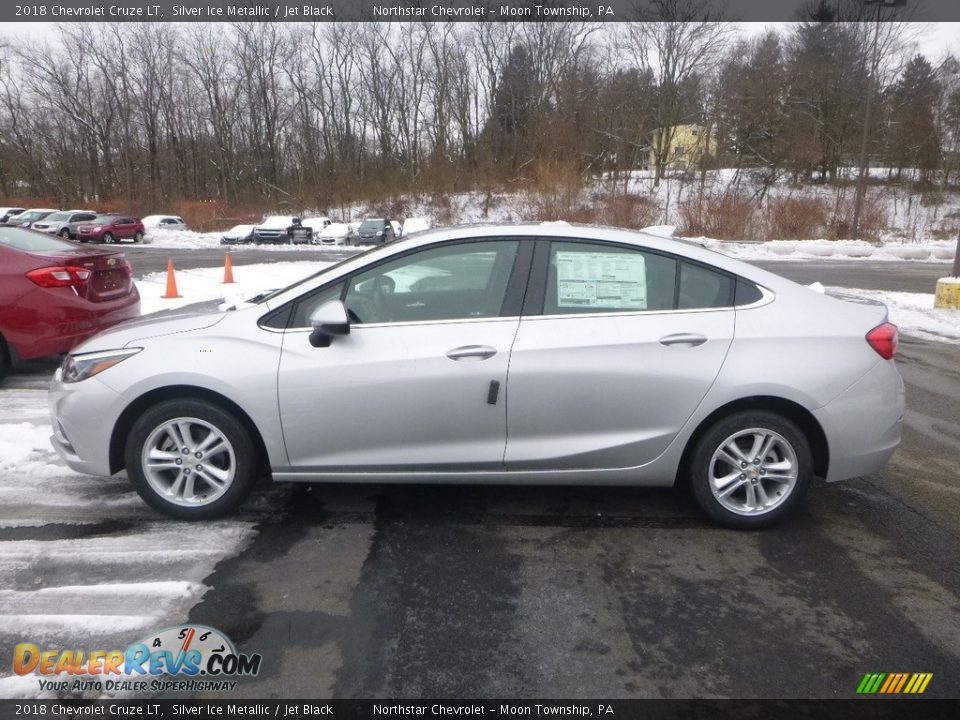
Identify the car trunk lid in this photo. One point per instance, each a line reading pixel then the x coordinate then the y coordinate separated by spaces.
pixel 111 275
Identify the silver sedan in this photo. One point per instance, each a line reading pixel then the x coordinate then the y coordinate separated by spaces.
pixel 550 353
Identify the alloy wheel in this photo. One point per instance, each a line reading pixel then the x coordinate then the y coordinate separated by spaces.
pixel 753 471
pixel 189 462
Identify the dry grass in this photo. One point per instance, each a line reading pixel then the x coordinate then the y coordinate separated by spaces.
pixel 797 218
pixel 873 221
pixel 726 216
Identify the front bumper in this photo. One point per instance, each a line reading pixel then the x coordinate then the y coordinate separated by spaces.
pixel 82 415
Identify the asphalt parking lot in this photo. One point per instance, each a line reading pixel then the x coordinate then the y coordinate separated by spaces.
pixel 416 591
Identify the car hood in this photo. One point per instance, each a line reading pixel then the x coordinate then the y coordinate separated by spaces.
pixel 166 322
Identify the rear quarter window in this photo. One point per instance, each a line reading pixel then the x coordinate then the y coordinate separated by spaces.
pixel 703 288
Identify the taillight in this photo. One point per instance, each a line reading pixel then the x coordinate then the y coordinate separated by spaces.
pixel 884 339
pixel 63 276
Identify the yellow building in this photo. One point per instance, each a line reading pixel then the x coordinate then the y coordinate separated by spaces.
pixel 686 147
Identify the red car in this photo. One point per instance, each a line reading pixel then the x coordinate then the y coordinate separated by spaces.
pixel 55 294
pixel 110 228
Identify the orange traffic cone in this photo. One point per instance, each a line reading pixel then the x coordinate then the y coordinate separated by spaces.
pixel 227 270
pixel 171 282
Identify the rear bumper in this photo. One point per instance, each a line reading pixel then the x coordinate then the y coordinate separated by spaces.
pixel 863 423
pixel 52 323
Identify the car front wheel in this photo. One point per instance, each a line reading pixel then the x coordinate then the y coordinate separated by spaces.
pixel 190 459
pixel 65 234
pixel 750 469
pixel 107 238
pixel 137 236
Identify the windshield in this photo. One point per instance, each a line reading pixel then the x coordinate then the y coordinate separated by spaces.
pixel 32 241
pixel 369 225
pixel 58 217
pixel 102 220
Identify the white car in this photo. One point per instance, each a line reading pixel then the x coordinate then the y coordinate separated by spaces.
pixel 164 222
pixel 316 223
pixel 28 217
pixel 238 235
pixel 333 234
pixel 7 213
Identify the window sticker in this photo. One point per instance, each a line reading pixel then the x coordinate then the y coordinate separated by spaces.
pixel 601 279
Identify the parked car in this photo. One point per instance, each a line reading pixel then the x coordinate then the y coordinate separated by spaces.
pixel 163 222
pixel 316 225
pixel 334 234
pixel 238 235
pixel 55 294
pixel 111 228
pixel 64 223
pixel 28 217
pixel 375 231
pixel 8 212
pixel 281 229
pixel 633 360
pixel 414 224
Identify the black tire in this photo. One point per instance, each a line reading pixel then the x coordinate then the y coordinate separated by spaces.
pixel 65 234
pixel 5 362
pixel 699 469
pixel 245 474
pixel 107 238
pixel 137 236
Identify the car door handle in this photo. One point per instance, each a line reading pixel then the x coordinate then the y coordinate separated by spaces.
pixel 686 339
pixel 472 352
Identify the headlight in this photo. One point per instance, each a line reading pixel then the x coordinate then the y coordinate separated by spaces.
pixel 80 367
pixel 379 233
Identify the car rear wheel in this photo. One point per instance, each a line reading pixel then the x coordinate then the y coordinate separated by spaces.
pixel 190 459
pixel 107 238
pixel 750 469
pixel 137 236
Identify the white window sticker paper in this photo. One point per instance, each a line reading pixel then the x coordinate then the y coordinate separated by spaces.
pixel 601 279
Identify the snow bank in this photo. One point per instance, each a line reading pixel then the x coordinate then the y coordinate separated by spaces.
pixel 930 251
pixel 190 240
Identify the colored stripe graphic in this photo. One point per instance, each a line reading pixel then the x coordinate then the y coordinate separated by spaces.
pixel 894 683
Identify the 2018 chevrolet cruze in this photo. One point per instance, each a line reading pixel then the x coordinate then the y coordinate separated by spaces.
pixel 549 353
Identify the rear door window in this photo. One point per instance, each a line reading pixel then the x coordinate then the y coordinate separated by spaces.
pixel 594 278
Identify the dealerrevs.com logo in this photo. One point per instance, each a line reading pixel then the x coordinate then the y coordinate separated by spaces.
pixel 179 658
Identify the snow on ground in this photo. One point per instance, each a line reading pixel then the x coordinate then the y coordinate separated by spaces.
pixel 198 285
pixel 83 561
pixel 913 313
pixel 190 240
pixel 939 251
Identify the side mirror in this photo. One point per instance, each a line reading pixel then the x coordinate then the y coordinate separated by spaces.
pixel 328 320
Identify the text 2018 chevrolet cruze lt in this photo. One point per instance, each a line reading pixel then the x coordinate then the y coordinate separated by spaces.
pixel 551 354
